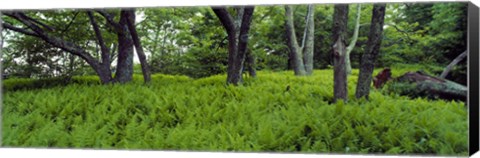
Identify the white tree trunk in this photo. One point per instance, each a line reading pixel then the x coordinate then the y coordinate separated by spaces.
pixel 353 42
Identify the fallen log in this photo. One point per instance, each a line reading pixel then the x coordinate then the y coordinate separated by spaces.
pixel 419 84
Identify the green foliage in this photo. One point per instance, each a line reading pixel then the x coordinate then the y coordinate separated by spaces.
pixel 276 112
pixel 428 33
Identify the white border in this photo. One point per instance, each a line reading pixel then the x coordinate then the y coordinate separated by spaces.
pixel 50 4
pixel 74 153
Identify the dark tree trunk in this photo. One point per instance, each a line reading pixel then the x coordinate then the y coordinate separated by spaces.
pixel 236 46
pixel 243 41
pixel 106 73
pixel 124 70
pixel 250 64
pixel 340 89
pixel 295 51
pixel 373 46
pixel 138 46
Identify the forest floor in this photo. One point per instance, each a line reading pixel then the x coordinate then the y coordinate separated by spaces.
pixel 276 112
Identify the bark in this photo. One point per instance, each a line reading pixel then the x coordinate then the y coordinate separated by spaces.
pixel 138 46
pixel 295 51
pixel 243 42
pixel 251 64
pixel 452 64
pixel 354 40
pixel 228 23
pixel 340 89
pixel 124 71
pixel 308 41
pixel 237 42
pixel 417 84
pixel 372 50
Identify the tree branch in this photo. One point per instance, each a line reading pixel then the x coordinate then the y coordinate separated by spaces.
pixel 70 23
pixel 110 20
pixel 55 41
pixel 20 30
pixel 225 18
pixel 306 26
pixel 49 28
pixel 101 42
pixel 452 64
pixel 355 32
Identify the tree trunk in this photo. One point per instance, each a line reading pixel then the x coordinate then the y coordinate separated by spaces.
pixel 243 42
pixel 354 40
pixel 308 47
pixel 295 51
pixel 138 46
pixel 237 44
pixel 105 72
pixel 373 46
pixel 452 64
pixel 340 89
pixel 124 71
pixel 250 64
pixel 420 84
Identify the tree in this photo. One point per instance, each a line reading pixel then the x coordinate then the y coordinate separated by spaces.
pixel 40 30
pixel 56 37
pixel 372 50
pixel 237 44
pixel 301 56
pixel 353 42
pixel 340 16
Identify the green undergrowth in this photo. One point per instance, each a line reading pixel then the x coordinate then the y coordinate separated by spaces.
pixel 276 112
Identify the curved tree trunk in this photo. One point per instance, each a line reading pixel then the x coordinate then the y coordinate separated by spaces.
pixel 138 46
pixel 373 46
pixel 354 40
pixel 340 16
